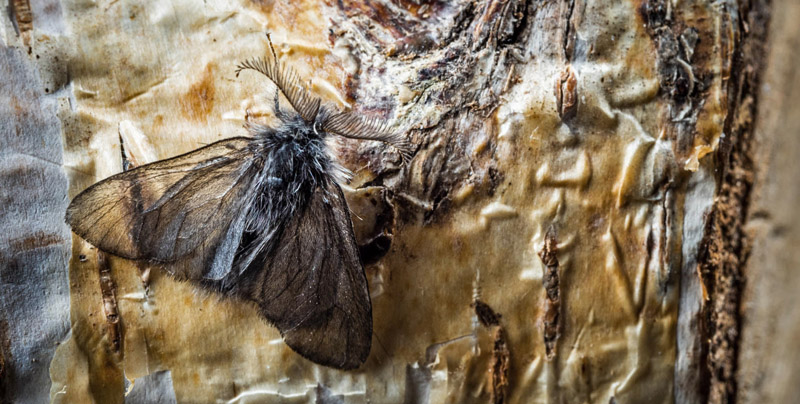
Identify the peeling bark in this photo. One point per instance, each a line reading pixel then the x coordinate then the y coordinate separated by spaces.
pixel 604 120
pixel 441 67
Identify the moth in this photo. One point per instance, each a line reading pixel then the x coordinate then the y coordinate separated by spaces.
pixel 259 218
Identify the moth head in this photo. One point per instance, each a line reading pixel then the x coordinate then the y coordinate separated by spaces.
pixel 347 124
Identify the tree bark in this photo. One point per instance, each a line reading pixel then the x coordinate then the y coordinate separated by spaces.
pixel 597 209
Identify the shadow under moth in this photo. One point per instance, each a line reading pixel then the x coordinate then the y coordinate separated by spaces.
pixel 259 218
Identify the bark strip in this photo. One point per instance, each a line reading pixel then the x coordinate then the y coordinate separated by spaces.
pixel 501 356
pixel 726 248
pixel 552 301
pixel 500 367
pixel 109 292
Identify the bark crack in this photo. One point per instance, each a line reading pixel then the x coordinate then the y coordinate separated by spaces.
pixel 108 289
pixel 725 249
pixel 552 301
pixel 501 356
pixel 568 43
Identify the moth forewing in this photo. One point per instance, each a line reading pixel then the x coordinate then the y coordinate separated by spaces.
pixel 169 210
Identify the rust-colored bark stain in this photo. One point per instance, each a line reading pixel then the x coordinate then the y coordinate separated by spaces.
pixel 287 14
pixel 21 11
pixel 198 102
pixel 552 302
pixel 37 240
pixel 266 5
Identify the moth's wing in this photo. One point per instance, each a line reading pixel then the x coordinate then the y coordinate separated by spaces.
pixel 312 286
pixel 187 211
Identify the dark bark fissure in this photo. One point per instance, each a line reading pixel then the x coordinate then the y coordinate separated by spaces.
pixel 501 356
pixel 723 252
pixel 725 248
pixel 568 40
pixel 108 289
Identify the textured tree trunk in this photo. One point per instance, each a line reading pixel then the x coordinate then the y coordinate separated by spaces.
pixel 598 208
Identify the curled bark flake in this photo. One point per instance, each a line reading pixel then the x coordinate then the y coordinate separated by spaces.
pixel 567 94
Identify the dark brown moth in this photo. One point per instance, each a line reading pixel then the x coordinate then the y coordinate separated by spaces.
pixel 259 218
